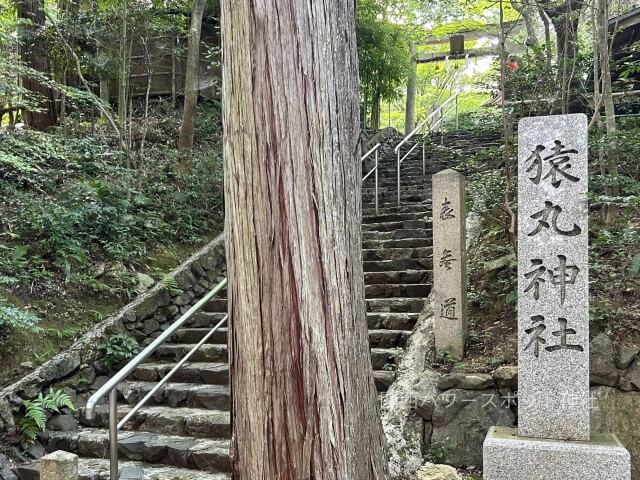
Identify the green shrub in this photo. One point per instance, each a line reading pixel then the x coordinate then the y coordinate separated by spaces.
pixel 15 318
pixel 38 411
pixel 117 349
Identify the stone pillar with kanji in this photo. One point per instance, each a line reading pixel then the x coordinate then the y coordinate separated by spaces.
pixel 553 438
pixel 449 262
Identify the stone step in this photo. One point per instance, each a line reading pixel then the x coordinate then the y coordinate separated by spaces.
pixel 397 290
pixel 394 265
pixel 98 469
pixel 376 339
pixel 207 373
pixel 383 254
pixel 414 223
pixel 369 213
pixel 398 234
pixel 383 379
pixel 185 335
pixel 385 203
pixel 388 338
pixel 416 213
pixel 174 352
pixel 395 305
pixel 385 358
pixel 184 421
pixel 387 198
pixel 400 243
pixel 392 321
pixel 206 319
pixel 217 305
pixel 398 277
pixel 209 455
pixel 215 397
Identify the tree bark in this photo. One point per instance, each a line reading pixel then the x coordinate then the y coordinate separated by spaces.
pixel 529 15
pixel 34 54
pixel 375 111
pixel 192 77
pixel 304 403
pixel 613 189
pixel 410 109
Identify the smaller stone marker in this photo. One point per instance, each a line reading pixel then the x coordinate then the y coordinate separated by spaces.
pixel 59 465
pixel 449 262
pixel 553 438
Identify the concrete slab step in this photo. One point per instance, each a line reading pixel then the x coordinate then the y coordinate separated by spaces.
pixel 208 455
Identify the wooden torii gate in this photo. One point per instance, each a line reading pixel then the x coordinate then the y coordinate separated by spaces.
pixel 456 51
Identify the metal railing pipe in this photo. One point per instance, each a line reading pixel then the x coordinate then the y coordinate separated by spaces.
pixel 144 354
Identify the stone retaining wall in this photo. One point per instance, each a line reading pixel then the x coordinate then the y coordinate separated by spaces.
pixel 76 370
pixel 457 419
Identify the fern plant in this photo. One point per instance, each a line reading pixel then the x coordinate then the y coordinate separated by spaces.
pixel 13 317
pixel 37 412
pixel 171 284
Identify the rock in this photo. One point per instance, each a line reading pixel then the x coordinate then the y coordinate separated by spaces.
pixel 150 325
pixel 506 376
pixel 6 415
pixel 59 466
pixel 626 355
pixel 633 375
pixel 602 361
pixel 26 365
pixel 98 270
pixel 5 469
pixel 62 423
pixel 477 381
pixel 431 471
pixel 143 282
pixel 36 450
pixel 60 367
pixel 499 263
pixel 461 420
pixel 616 412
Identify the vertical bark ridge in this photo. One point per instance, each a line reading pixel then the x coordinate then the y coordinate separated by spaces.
pixel 304 403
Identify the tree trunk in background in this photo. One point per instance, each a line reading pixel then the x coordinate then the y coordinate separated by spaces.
pixel 375 112
pixel 565 19
pixel 192 77
pixel 602 29
pixel 530 16
pixel 304 403
pixel 410 109
pixel 33 53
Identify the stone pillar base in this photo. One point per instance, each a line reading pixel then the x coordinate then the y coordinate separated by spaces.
pixel 510 457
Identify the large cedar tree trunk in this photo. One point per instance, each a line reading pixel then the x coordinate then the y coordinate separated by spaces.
pixel 33 53
pixel 192 78
pixel 304 403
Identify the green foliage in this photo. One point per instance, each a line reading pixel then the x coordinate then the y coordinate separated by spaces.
pixel 438 451
pixel 67 203
pixel 117 349
pixel 38 410
pixel 635 266
pixel 15 318
pixel 171 284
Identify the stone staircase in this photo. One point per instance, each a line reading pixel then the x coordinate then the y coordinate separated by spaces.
pixel 184 432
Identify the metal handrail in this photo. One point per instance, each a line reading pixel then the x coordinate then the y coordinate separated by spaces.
pixel 110 387
pixel 375 149
pixel 431 123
